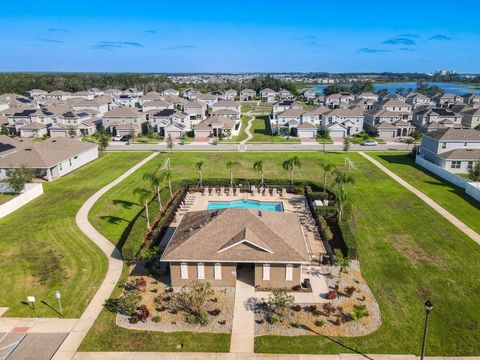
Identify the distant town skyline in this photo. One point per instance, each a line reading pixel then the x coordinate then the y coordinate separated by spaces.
pixel 146 36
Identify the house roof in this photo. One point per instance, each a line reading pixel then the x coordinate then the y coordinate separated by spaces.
pixel 215 121
pixel 228 103
pixel 238 235
pixel 248 91
pixel 455 134
pixel 461 154
pixel 43 154
pixel 472 112
pixel 385 125
pixel 122 112
pixel 346 112
pixel 306 126
pixel 225 112
pixel 291 113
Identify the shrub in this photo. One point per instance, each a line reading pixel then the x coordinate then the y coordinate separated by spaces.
pixel 111 305
pixel 167 298
pixel 313 308
pixel 296 288
pixel 161 308
pixel 332 294
pixel 215 312
pixel 193 297
pixel 128 303
pixel 349 290
pixel 261 321
pixel 319 323
pixel 156 318
pixel 316 313
pixel 328 309
pixel 274 319
pixel 215 300
pixel 222 322
pixel 142 313
pixel 297 307
pixel 140 283
pixel 169 290
pixel 154 291
pixel 280 301
pixel 359 311
pixel 295 325
pixel 174 311
pixel 200 318
pixel 343 261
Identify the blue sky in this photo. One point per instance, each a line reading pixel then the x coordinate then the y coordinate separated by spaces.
pixel 239 36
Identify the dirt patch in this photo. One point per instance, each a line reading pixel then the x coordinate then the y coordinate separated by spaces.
pixel 406 246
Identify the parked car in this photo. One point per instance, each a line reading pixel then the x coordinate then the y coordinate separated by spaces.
pixel 121 138
pixel 369 143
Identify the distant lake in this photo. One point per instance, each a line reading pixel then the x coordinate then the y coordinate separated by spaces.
pixel 450 88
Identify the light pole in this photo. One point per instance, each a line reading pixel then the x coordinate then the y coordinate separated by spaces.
pixel 428 308
pixel 58 296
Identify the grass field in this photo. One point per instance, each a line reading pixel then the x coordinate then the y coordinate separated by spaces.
pixel 262 132
pixel 451 197
pixel 408 253
pixel 42 249
pixel 143 139
pixel 5 197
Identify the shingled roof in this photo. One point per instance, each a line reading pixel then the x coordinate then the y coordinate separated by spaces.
pixel 238 235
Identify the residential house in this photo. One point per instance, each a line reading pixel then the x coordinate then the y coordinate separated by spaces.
pixel 49 159
pixel 471 118
pixel 170 92
pixel 33 130
pixel 417 99
pixel 15 100
pixel 247 95
pixel 368 96
pixel 196 110
pixel 453 149
pixel 125 100
pixel 207 99
pixel 268 95
pixel 82 95
pixel 342 99
pixel 190 94
pixel 284 94
pixel 351 119
pixel 446 100
pixel 215 126
pixel 123 121
pixel 283 105
pixel 156 105
pixel 150 96
pixel 443 116
pixel 99 104
pixel 386 124
pixel 230 95
pixel 170 122
pixel 212 245
pixel 286 120
pixel 58 95
pixel 37 94
pixel 309 94
pixel 472 99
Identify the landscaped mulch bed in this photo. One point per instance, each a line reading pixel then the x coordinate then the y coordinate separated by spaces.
pixel 157 297
pixel 309 321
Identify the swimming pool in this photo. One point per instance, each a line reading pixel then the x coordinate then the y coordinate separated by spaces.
pixel 246 204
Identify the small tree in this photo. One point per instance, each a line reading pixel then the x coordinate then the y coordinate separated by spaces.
pixel 280 301
pixel 409 141
pixel 231 165
pixel 4 130
pixel 167 176
pixel 199 167
pixel 170 143
pixel 17 178
pixel 143 195
pixel 290 165
pixel 343 261
pixel 128 303
pixel 474 171
pixel 326 136
pixel 192 298
pixel 103 141
pixel 72 131
pixel 347 143
pixel 258 166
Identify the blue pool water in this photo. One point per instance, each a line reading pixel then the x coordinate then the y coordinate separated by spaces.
pixel 246 204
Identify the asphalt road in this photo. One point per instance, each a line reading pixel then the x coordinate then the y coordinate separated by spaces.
pixel 254 147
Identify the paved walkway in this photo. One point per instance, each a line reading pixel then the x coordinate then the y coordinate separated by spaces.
pixel 230 356
pixel 247 129
pixel 243 327
pixel 441 210
pixel 115 263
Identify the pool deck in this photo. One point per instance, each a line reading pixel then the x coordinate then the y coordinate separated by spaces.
pixel 293 203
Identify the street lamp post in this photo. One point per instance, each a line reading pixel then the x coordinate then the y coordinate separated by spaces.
pixel 428 308
pixel 59 296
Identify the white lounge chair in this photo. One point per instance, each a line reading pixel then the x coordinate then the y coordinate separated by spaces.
pixel 230 191
pixel 282 192
pixel 238 191
pixel 274 191
pixel 213 192
pixel 205 191
pixel 262 191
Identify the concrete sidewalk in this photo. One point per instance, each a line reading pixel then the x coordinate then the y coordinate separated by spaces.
pixel 441 210
pixel 115 263
pixel 243 327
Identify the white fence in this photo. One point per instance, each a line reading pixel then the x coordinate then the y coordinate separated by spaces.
pixel 31 192
pixel 444 174
pixel 473 189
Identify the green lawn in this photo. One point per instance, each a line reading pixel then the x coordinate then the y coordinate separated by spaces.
pixel 242 135
pixel 408 253
pixel 358 139
pixel 262 132
pixel 42 249
pixel 143 139
pixel 5 197
pixel 451 197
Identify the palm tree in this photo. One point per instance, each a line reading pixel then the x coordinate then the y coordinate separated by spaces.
pixel 167 175
pixel 343 178
pixel 328 169
pixel 143 195
pixel 231 165
pixel 290 164
pixel 199 166
pixel 258 166
pixel 155 181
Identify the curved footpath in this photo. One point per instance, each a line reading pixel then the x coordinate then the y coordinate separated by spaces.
pixel 242 146
pixel 115 263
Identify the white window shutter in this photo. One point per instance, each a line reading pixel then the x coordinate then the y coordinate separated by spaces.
pixel 200 271
pixel 184 271
pixel 218 271
pixel 266 272
pixel 289 272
